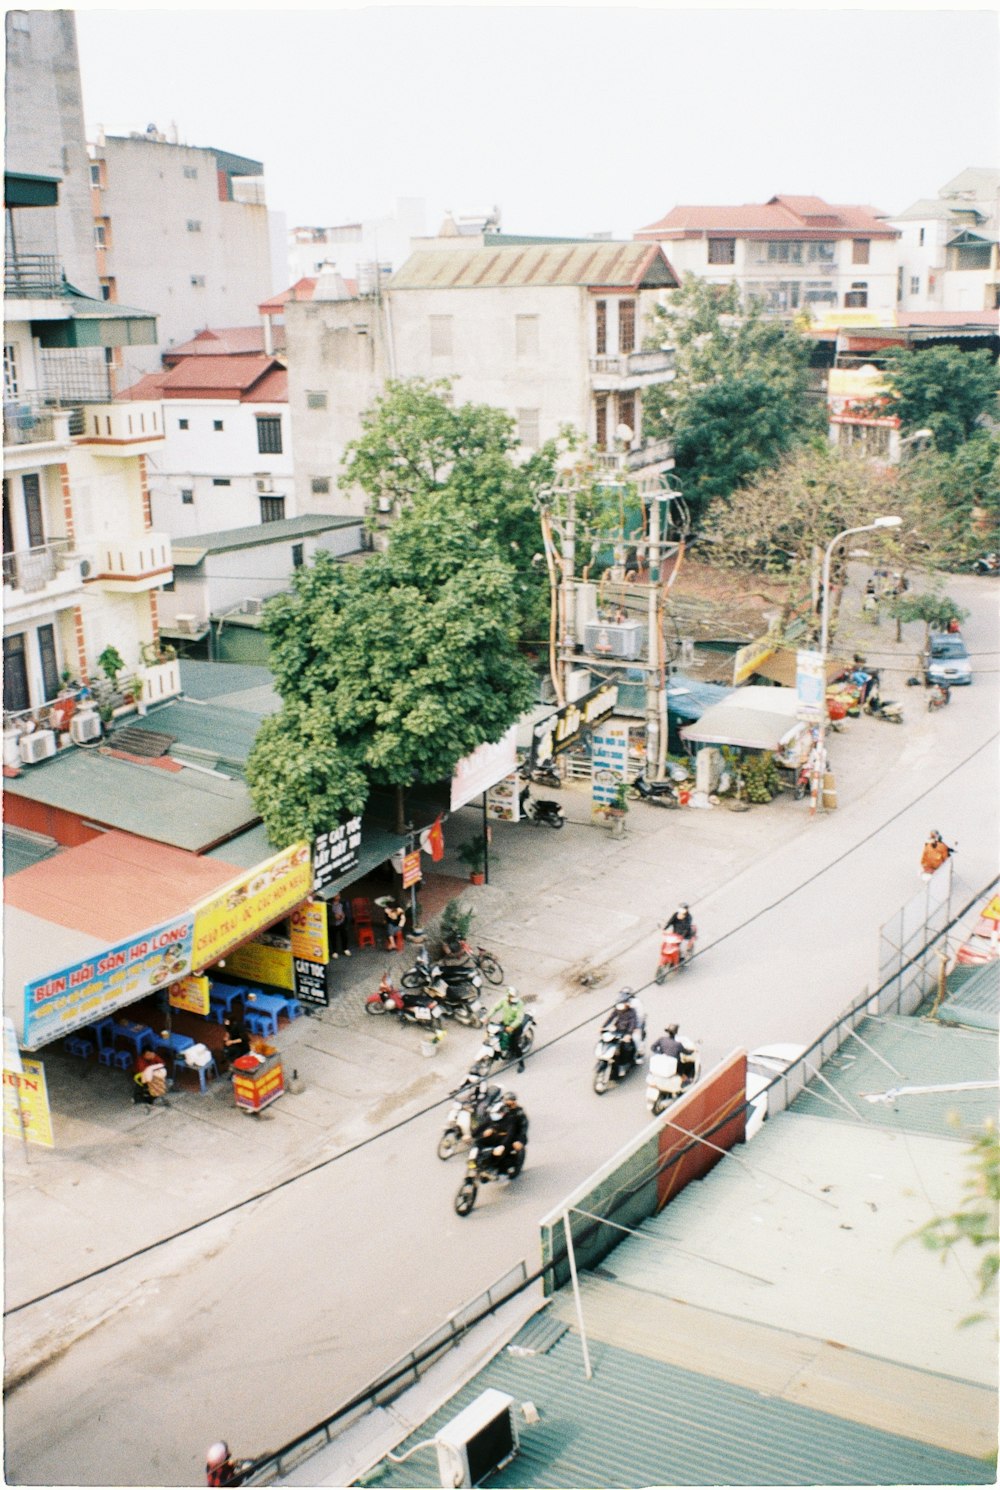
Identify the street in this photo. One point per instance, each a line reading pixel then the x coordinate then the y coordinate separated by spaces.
pixel 256 1325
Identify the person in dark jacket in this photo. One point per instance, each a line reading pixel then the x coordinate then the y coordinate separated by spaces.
pixel 506 1134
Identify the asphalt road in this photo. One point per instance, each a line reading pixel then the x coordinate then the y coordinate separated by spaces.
pixel 256 1326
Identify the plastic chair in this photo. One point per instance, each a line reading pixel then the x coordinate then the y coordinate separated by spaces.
pixel 364 932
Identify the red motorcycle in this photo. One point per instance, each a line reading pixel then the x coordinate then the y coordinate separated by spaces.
pixel 412 1007
pixel 672 955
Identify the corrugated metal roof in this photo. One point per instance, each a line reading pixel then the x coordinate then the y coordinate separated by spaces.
pixel 973 997
pixel 614 265
pixel 21 849
pixel 193 549
pixel 215 680
pixel 216 730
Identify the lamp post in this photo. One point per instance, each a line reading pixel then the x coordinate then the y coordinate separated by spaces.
pixel 820 752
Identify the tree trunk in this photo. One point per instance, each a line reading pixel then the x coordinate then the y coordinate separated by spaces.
pixel 400 809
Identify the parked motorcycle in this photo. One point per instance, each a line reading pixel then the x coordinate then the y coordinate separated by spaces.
pixel 478 956
pixel 803 781
pixel 666 1078
pixel 659 793
pixel 987 564
pixel 481 1169
pixel 466 1114
pixel 456 987
pixel 939 697
pixel 541 809
pixel 495 1049
pixel 886 709
pixel 671 958
pixel 616 1057
pixel 413 1008
pixel 544 774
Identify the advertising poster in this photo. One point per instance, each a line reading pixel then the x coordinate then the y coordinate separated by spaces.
pixel 309 932
pixel 26 1104
pixel 310 982
pixel 609 760
pixel 62 1002
pixel 267 959
pixel 411 869
pixel 562 729
pixel 191 994
pixel 250 903
pixel 482 768
pixel 336 853
pixel 810 686
pixel 503 801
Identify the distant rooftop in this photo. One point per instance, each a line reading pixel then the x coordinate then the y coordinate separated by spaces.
pixel 592 265
pixel 242 377
pixel 780 216
pixel 194 548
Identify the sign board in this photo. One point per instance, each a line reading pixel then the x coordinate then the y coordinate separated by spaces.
pixel 810 686
pixel 310 981
pixel 609 762
pixel 250 903
pixel 503 801
pixel 565 727
pixel 267 959
pixel 749 658
pixel 11 1054
pixel 336 853
pixel 309 932
pixel 483 768
pixel 64 1001
pixel 26 1104
pixel 411 869
pixel 191 994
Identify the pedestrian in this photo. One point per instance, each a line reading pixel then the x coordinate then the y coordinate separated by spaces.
pixel 338 927
pixel 150 1080
pixel 395 918
pixel 235 1039
pixel 935 853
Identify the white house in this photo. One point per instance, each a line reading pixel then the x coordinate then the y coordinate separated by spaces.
pixel 949 255
pixel 796 253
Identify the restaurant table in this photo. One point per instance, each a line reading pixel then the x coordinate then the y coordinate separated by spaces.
pixel 139 1036
pixel 228 994
pixel 260 1013
pixel 174 1043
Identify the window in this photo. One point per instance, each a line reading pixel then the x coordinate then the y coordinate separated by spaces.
pixel 9 373
pixel 857 296
pixel 626 326
pixel 269 434
pixel 15 675
pixel 50 666
pixel 183 424
pixel 860 250
pixel 198 281
pixel 32 492
pixel 217 425
pixel 823 253
pixel 187 496
pixel 601 327
pixel 95 173
pixel 272 509
pixel 221 481
pixel 527 428
pixel 191 172
pixel 921 240
pixel 784 252
pixel 315 400
pixel 194 226
pixel 914 284
pixel 298 555
pixel 722 250
pixel 626 411
pixel 105 290
pixel 601 422
pixel 526 336
pixel 899 283
pixel 320 486
pixel 441 336
pixel 101 234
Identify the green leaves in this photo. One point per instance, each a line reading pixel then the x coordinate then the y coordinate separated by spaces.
pixel 944 389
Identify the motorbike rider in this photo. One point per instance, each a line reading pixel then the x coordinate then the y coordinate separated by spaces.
pixel 505 1133
pixel 622 1022
pixel 674 1045
pixel 681 925
pixel 221 1468
pixel 511 1013
pixel 935 852
pixel 478 1098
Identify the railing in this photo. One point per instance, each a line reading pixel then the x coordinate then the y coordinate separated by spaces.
pixel 31 569
pixel 633 364
pixel 132 559
pixel 32 276
pixel 646 454
pixel 76 375
pixel 32 420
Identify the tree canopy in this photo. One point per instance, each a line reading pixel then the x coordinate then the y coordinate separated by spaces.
pixel 958 482
pixel 943 389
pixel 739 401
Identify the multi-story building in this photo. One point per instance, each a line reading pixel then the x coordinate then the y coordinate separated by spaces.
pixel 949 258
pixel 183 230
pixel 798 254
pixel 357 250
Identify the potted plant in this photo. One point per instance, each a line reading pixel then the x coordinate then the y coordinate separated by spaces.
pixel 153 653
pixel 473 854
pixel 111 662
pixel 454 925
pixel 618 809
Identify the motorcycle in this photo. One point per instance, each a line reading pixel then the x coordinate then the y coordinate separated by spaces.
pixel 495 1049
pixel 659 793
pixel 939 697
pixel 478 956
pixel 544 774
pixel 481 1169
pixel 543 810
pixel 671 958
pixel 456 988
pixel 803 781
pixel 885 709
pixel 987 564
pixel 465 1115
pixel 616 1057
pixel 667 1078
pixel 412 1008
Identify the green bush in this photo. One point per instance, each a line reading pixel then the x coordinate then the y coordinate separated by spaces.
pixel 761 776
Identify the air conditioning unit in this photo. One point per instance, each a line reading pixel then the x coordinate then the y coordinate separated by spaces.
pixel 252 607
pixel 614 639
pixel 265 486
pixel 480 1440
pixel 85 727
pixel 186 622
pixel 38 746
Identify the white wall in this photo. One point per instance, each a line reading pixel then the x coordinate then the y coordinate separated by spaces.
pixel 690 255
pixel 224 580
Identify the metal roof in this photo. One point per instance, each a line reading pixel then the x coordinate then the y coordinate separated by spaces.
pixel 973 996
pixel 587 265
pixel 21 849
pixel 220 680
pixel 192 550
pixel 214 730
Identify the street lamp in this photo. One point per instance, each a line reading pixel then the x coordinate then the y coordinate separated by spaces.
pixel 820 751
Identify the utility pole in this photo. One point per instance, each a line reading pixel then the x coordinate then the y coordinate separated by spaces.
pixel 653 743
pixel 567 587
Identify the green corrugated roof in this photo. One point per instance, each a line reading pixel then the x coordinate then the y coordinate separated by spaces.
pixel 213 729
pixel 973 997
pixel 641 1422
pixel 214 680
pixel 191 550
pixel 22 849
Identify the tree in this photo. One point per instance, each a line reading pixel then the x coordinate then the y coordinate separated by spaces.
pixel 739 400
pixel 943 389
pixel 964 484
pixel 931 607
pixel 976 1220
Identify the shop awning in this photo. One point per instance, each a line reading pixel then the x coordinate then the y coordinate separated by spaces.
pixel 749 719
pixel 780 668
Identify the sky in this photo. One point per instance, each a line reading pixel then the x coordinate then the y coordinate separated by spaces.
pixel 571 118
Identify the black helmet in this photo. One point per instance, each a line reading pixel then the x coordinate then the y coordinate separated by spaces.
pixel 492 1095
pixel 671 1030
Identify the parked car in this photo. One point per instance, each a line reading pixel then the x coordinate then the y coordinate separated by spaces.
pixel 983 944
pixel 947 660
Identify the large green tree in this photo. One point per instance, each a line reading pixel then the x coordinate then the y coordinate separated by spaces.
pixel 739 401
pixel 943 389
pixel 965 484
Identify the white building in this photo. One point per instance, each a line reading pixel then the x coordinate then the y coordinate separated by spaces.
pixel 183 230
pixel 949 256
pixel 796 253
pixel 357 250
pixel 226 458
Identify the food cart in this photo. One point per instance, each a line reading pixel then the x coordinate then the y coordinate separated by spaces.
pixel 258 1079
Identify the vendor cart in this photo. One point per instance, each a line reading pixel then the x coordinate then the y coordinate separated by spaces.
pixel 258 1080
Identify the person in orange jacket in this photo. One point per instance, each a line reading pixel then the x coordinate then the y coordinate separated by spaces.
pixel 936 851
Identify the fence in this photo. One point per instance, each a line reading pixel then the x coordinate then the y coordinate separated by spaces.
pixel 908 963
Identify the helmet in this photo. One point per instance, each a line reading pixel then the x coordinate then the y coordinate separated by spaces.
pixel 512 995
pixel 684 906
pixel 217 1454
pixel 495 1111
pixel 671 1030
pixel 492 1095
pixel 624 994
pixel 934 833
pixel 509 1099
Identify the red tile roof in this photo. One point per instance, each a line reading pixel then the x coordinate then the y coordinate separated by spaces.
pixel 302 289
pixel 782 216
pixel 235 377
pixel 228 341
pixel 272 388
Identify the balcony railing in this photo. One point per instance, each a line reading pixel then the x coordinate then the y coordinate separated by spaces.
pixel 32 276
pixel 32 420
pixel 132 564
pixel 633 364
pixel 636 459
pixel 31 569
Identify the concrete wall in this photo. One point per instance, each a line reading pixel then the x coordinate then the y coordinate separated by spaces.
pixel 690 255
pixel 224 580
pixel 193 459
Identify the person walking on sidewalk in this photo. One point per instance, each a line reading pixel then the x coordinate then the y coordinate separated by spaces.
pixel 935 853
pixel 338 928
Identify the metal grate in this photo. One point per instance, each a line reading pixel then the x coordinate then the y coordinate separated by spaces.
pixel 139 741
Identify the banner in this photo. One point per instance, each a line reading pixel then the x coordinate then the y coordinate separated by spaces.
pixel 503 801
pixel 310 982
pixel 309 932
pixel 250 903
pixel 433 841
pixel 411 869
pixel 749 658
pixel 609 762
pixel 336 853
pixel 26 1104
pixel 810 686
pixel 563 728
pixel 487 764
pixel 267 959
pixel 191 994
pixel 63 1001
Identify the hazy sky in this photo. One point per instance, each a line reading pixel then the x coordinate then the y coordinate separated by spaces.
pixel 572 118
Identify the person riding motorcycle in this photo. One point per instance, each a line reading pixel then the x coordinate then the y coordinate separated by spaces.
pixel 674 1045
pixel 505 1134
pixel 478 1098
pixel 511 1013
pixel 221 1468
pixel 682 925
pixel 935 852
pixel 628 1021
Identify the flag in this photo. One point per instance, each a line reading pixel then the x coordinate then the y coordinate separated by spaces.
pixel 435 841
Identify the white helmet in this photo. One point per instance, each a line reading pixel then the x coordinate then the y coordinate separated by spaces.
pixel 217 1454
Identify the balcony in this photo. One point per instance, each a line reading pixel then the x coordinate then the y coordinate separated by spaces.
pixel 32 276
pixel 121 430
pixel 626 370
pixel 131 565
pixel 37 580
pixel 159 680
pixel 654 453
pixel 33 429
